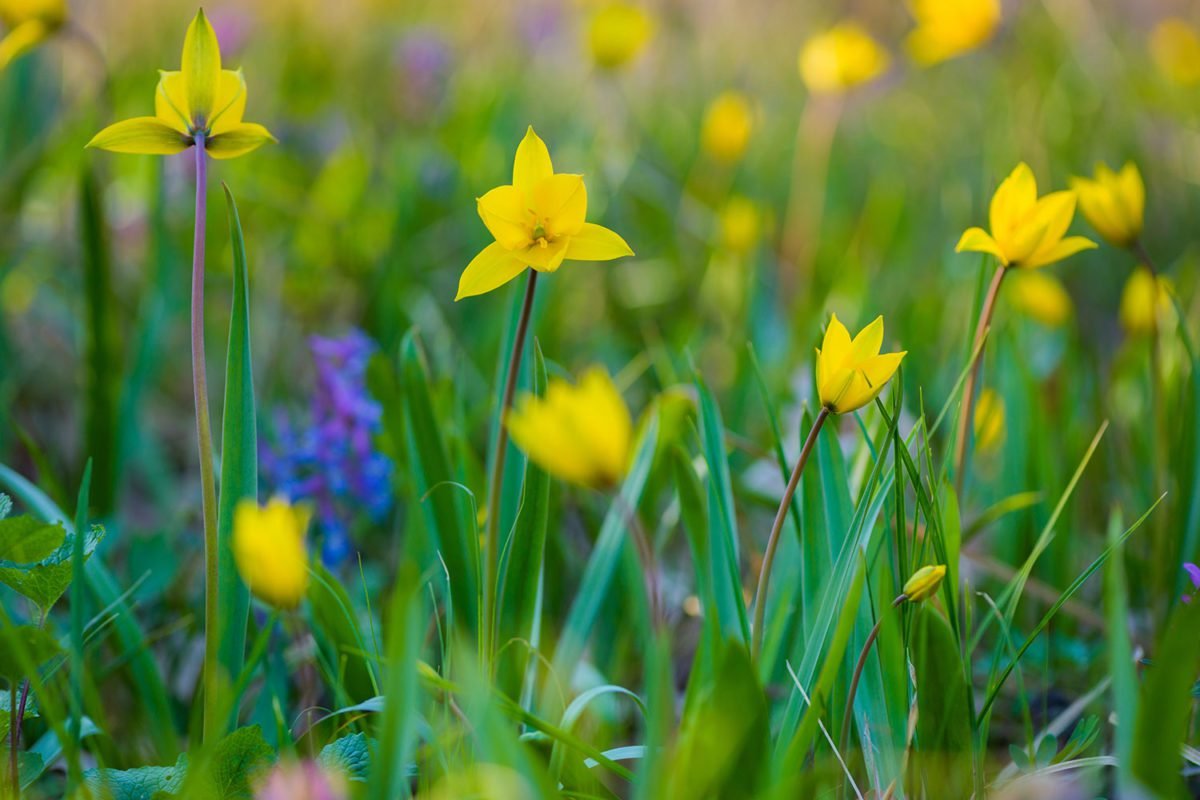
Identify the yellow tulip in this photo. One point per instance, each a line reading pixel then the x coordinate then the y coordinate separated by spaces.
pixel 1114 203
pixel 924 583
pixel 741 224
pixel 949 28
pixel 1041 296
pixel 617 33
pixel 538 221
pixel 1145 302
pixel 1026 231
pixel 269 550
pixel 841 58
pixel 852 373
pixel 200 103
pixel 580 434
pixel 28 24
pixel 728 124
pixel 989 421
pixel 1175 47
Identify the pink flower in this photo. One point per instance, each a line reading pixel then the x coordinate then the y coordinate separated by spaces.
pixel 303 780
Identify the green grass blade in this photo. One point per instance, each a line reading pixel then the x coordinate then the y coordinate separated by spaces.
pixel 78 613
pixel 101 420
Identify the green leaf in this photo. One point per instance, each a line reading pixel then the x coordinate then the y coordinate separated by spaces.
pixel 400 712
pixel 26 540
pixel 349 755
pixel 5 505
pixel 237 761
pixel 142 783
pixel 24 644
pixel 44 581
pixel 944 719
pixel 340 635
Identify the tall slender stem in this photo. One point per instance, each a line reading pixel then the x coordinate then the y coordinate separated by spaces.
pixel 645 548
pixel 764 576
pixel 858 671
pixel 208 485
pixel 13 727
pixel 968 406
pixel 491 558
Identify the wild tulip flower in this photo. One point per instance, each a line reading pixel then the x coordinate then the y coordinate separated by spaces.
pixel 989 421
pixel 728 124
pixel 1114 203
pixel 270 551
pixel 924 583
pixel 27 24
pixel 1040 296
pixel 841 58
pixel 1175 47
pixel 948 28
pixel 852 372
pixel 1145 302
pixel 617 33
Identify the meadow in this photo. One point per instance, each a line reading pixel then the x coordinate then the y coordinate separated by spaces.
pixel 623 399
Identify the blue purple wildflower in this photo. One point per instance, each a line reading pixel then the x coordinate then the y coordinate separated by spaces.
pixel 1193 572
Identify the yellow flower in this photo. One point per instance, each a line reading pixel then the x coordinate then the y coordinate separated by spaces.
pixel 269 550
pixel 989 421
pixel 741 224
pixel 538 221
pixel 28 23
pixel 617 33
pixel 949 28
pixel 851 374
pixel 841 58
pixel 728 124
pixel 199 103
pixel 1175 46
pixel 1145 302
pixel 924 583
pixel 581 434
pixel 1114 203
pixel 1041 296
pixel 1027 231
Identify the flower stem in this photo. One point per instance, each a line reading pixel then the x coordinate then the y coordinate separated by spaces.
pixel 491 557
pixel 764 576
pixel 208 487
pixel 645 548
pixel 13 727
pixel 968 405
pixel 858 671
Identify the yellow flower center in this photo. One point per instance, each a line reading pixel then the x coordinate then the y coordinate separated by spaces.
pixel 540 237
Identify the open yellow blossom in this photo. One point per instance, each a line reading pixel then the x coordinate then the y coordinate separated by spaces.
pixel 989 421
pixel 538 221
pixel 728 124
pixel 841 58
pixel 27 24
pixel 1175 47
pixel 1145 302
pixel 198 104
pixel 617 32
pixel 949 28
pixel 924 583
pixel 852 373
pixel 1041 296
pixel 1026 231
pixel 1114 203
pixel 269 550
pixel 580 434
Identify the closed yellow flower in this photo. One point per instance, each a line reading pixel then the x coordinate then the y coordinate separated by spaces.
pixel 1041 296
pixel 852 373
pixel 924 583
pixel 581 434
pixel 1026 231
pixel 270 552
pixel 989 421
pixel 538 222
pixel 198 104
pixel 1145 302
pixel 949 28
pixel 741 224
pixel 1175 47
pixel 728 124
pixel 1114 203
pixel 841 58
pixel 28 23
pixel 617 33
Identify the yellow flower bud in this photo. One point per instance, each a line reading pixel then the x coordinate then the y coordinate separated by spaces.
pixel 1175 46
pixel 269 550
pixel 1145 302
pixel 924 583
pixel 1114 203
pixel 989 421
pixel 841 58
pixel 1040 296
pixel 728 124
pixel 617 34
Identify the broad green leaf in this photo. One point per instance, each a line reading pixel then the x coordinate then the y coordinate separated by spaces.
pixel 25 540
pixel 237 761
pixel 45 580
pixel 142 783
pixel 350 755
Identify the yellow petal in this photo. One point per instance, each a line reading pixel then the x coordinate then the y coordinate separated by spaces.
pixel 868 381
pixel 1132 192
pixel 867 343
pixel 605 423
pixel 1013 201
pixel 1054 213
pixel 1067 247
pixel 231 102
pixel 238 141
pixel 171 102
pixel 977 240
pixel 146 135
pixel 493 267
pixel 506 214
pixel 560 202
pixel 201 68
pixel 21 39
pixel 836 345
pixel 596 243
pixel 532 164
pixel 545 259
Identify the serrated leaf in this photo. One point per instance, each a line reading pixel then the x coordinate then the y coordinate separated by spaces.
pixel 37 645
pixel 142 783
pixel 236 762
pixel 25 540
pixel 349 755
pixel 44 581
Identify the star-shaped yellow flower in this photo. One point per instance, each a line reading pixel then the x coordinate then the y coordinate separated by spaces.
pixel 949 28
pixel 1027 231
pixel 200 103
pixel 841 58
pixel 538 222
pixel 852 373
pixel 1114 203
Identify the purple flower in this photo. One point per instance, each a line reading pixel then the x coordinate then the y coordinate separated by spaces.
pixel 1194 574
pixel 422 60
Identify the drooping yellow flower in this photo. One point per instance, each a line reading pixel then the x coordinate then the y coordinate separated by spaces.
pixel 924 583
pixel 741 224
pixel 1145 302
pixel 728 123
pixel 27 24
pixel 617 33
pixel 852 373
pixel 949 28
pixel 1114 203
pixel 270 552
pixel 198 103
pixel 538 222
pixel 1041 296
pixel 1027 231
pixel 1175 47
pixel 989 421
pixel 841 58
pixel 580 434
